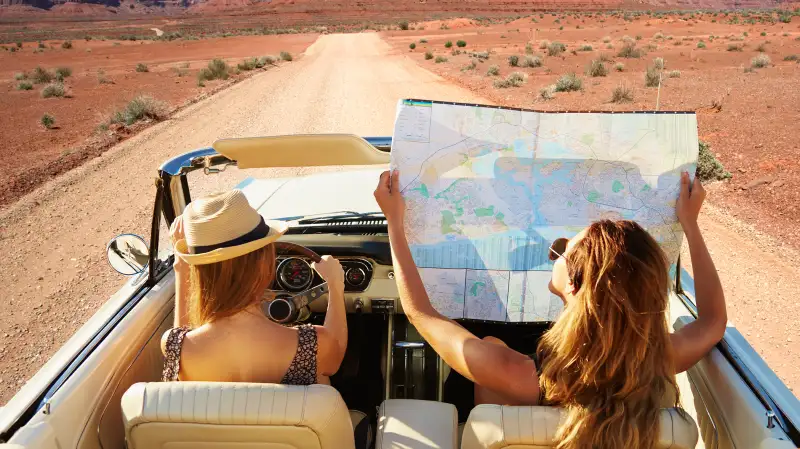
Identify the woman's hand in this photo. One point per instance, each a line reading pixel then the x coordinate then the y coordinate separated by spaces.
pixel 331 270
pixel 389 198
pixel 690 201
pixel 176 234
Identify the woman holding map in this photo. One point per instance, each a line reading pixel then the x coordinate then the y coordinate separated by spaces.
pixel 609 359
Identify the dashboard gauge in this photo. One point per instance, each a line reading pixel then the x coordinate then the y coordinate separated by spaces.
pixel 295 275
pixel 355 276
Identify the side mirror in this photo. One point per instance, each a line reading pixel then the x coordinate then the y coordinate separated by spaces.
pixel 128 254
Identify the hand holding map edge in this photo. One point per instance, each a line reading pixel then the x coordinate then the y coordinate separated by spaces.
pixel 389 198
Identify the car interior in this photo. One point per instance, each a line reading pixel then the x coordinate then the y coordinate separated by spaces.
pixel 108 392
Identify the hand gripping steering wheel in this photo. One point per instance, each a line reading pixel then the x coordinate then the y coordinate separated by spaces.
pixel 287 310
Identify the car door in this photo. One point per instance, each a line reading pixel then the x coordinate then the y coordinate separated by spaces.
pixel 737 401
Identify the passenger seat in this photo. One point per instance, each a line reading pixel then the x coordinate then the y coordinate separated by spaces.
pixel 500 426
pixel 221 415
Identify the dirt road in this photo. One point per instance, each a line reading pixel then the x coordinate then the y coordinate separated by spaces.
pixel 53 274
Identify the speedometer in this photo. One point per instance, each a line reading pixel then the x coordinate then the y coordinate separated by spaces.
pixel 295 274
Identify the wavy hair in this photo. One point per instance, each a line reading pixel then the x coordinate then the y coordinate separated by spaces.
pixel 223 289
pixel 608 359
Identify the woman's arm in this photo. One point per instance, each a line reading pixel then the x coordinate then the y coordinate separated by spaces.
pixel 495 367
pixel 692 342
pixel 181 268
pixel 332 335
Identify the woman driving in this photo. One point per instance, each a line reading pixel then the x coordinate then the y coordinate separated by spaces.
pixel 224 262
pixel 609 359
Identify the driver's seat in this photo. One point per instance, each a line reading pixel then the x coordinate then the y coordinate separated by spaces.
pixel 215 415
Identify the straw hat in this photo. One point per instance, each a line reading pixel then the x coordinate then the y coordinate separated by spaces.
pixel 224 226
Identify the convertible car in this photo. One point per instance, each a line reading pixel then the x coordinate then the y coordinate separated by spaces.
pixel 102 389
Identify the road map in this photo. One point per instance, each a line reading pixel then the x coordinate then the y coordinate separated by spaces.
pixel 488 189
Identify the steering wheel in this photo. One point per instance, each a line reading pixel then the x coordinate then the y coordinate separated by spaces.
pixel 287 310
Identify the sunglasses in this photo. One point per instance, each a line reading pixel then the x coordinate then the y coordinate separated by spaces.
pixel 558 248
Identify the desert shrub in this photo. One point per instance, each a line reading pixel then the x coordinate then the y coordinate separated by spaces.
pixel 481 55
pixel 606 39
pixel 556 48
pixel 140 67
pixel 403 25
pixel 54 90
pixel 513 61
pixel 19 44
pixel 66 45
pixel 638 37
pixel 248 64
pixel 585 48
pixel 619 67
pixel 428 55
pixel 264 60
pixel 622 94
pixel 101 77
pixel 47 121
pixel 42 45
pixel 24 85
pixel 708 167
pixel 286 56
pixel 218 69
pixel 461 44
pixel 701 44
pixel 20 76
pixel 791 58
pixel 493 70
pixel 528 48
pixel 62 73
pixel 440 59
pixel 630 51
pixel 760 61
pixel 141 108
pixel 515 79
pixel 652 77
pixel 674 74
pixel 531 62
pixel 762 47
pixel 544 44
pixel 412 45
pixel 763 33
pixel 448 44
pixel 471 66
pixel 658 63
pixel 423 41
pixel 628 39
pixel 41 76
pixel 596 68
pixel 658 36
pixel 547 93
pixel 734 47
pixel 568 83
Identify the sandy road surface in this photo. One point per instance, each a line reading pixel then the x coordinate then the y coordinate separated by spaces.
pixel 53 273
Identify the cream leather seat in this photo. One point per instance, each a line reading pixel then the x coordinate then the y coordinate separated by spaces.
pixel 496 427
pixel 222 415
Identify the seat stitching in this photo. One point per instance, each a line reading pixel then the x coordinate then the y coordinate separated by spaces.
pixel 503 425
pixel 258 410
pixel 303 409
pixel 156 405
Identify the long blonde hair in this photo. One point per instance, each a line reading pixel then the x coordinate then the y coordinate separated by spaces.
pixel 226 288
pixel 608 359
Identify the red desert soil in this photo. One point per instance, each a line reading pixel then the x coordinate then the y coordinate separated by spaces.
pixel 29 150
pixel 753 132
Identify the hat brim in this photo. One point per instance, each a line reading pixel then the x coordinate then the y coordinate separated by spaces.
pixel 276 229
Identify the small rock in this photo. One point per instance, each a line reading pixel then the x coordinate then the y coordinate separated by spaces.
pixel 778 183
pixel 758 182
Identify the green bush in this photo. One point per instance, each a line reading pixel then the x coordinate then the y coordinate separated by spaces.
pixel 734 47
pixel 531 62
pixel 248 64
pixel 556 48
pixel 140 67
pixel 66 45
pixel 708 167
pixel 63 73
pixel 412 45
pixel 528 48
pixel 47 121
pixel 448 44
pixel 41 76
pixel 141 108
pixel 652 77
pixel 619 67
pixel 19 44
pixel 423 41
pixel 428 55
pixel 701 44
pixel 218 69
pixel 461 44
pixel 24 85
pixel 493 70
pixel 544 44
pixel 585 48
pixel 630 51
pixel 622 94
pixel 20 76
pixel 42 45
pixel 403 25
pixel 674 74
pixel 515 79
pixel 760 61
pixel 440 59
pixel 568 83
pixel 596 68
pixel 513 61
pixel 286 56
pixel 54 90
pixel 791 58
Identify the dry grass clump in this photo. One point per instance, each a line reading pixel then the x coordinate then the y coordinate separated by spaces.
pixel 493 70
pixel 596 68
pixel 142 68
pixel 622 94
pixel 674 74
pixel 515 79
pixel 658 63
pixel 547 93
pixel 630 51
pixel 760 61
pixel 652 77
pixel 48 121
pixel 734 47
pixel 568 83
pixel 140 108
pixel 531 62
pixel 556 48
pixel 619 67
pixel 52 90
